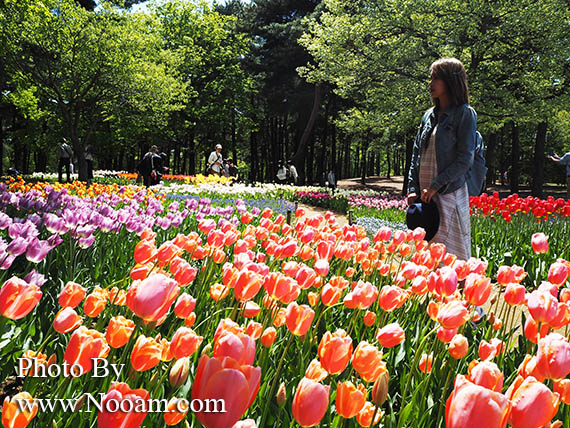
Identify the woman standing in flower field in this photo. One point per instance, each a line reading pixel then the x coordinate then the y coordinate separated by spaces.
pixel 443 153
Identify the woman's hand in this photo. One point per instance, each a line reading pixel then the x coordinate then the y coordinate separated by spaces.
pixel 412 198
pixel 427 194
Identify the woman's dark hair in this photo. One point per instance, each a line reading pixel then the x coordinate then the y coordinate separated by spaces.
pixel 453 73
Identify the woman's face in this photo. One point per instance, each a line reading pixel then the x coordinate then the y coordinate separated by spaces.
pixel 437 87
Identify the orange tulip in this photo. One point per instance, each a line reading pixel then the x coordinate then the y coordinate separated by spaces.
pixel 151 298
pixel 486 374
pixel 310 402
pixel 349 399
pixel 251 309
pixel 66 320
pixel 119 331
pixel 95 302
pixel 369 319
pixel 15 415
pixel 219 291
pixel 471 405
pixel 124 398
pixel 254 330
pixel 165 352
pixel 281 287
pixel 85 345
pixel 330 295
pixel 542 305
pixel 240 347
pixel 362 296
pixel 335 351
pixel 562 387
pixel 315 371
pixel 268 337
pixel 425 363
pixel 528 368
pixel 477 289
pixel 145 251
pixel 558 273
pixel 515 294
pixel 458 346
pixel 392 298
pixel 184 305
pixel 489 350
pixel 367 361
pixel 71 295
pixel 531 330
pixel 452 315
pixel 364 417
pixel 533 404
pixel 176 411
pixel 248 284
pixel 36 359
pixel 299 318
pixel 225 379
pixel 146 353
pixel 390 335
pixel 313 298
pixel 553 357
pixel 18 298
pixel 184 342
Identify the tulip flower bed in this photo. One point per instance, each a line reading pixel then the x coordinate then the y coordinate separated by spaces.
pixel 290 324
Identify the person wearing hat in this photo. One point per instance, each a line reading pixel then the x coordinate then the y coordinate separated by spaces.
pixel 216 160
pixel 442 155
pixel 564 160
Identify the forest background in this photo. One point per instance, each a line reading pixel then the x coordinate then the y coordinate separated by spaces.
pixel 333 84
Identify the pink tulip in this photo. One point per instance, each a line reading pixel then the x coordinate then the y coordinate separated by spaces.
pixel 310 402
pixel 533 404
pixel 151 298
pixel 558 273
pixel 391 335
pixel 486 374
pixel 553 357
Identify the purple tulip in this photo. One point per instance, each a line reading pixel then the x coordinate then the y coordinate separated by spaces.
pixel 35 278
pixel 86 242
pixel 37 250
pixel 18 246
pixel 5 220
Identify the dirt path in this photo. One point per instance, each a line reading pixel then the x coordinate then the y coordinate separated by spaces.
pixel 313 211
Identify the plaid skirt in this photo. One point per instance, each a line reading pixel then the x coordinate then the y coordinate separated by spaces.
pixel 454 223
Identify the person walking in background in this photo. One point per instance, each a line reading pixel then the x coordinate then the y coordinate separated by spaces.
pixel 89 161
pixel 232 170
pixel 64 155
pixel 145 166
pixel 282 173
pixel 331 179
pixel 443 153
pixel 293 175
pixel 216 160
pixel 564 160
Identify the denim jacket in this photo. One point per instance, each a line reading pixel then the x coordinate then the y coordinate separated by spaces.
pixel 454 148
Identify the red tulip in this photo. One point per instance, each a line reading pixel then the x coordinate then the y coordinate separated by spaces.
pixel 184 305
pixel 392 297
pixel 268 337
pixel 349 399
pixel 239 346
pixel 471 405
pixel 335 351
pixel 18 298
pixel 426 362
pixel 390 335
pixel 539 243
pixel 248 284
pixel 369 319
pixel 362 296
pixel 558 273
pixel 310 402
pixel 151 298
pixel 533 404
pixel 124 398
pixel 489 350
pixel 514 294
pixel 176 412
pixel 225 379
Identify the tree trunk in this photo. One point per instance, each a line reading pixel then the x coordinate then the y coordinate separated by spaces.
pixel 490 157
pixel 538 164
pixel 301 149
pixel 334 162
pixel 388 160
pixel 409 151
pixel 515 158
pixel 346 156
pixel 363 161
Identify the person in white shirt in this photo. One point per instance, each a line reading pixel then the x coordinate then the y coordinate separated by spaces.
pixel 282 173
pixel 216 160
pixel 293 176
pixel 564 160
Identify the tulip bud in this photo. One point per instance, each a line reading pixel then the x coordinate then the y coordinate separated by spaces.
pixel 380 389
pixel 54 424
pixel 154 379
pixel 179 372
pixel 79 403
pixel 207 350
pixel 281 394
